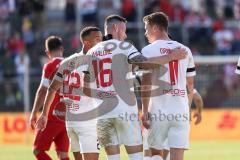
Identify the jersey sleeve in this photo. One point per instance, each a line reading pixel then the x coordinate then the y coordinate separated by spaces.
pixel 134 55
pixel 60 72
pixel 238 67
pixel 191 71
pixel 145 52
pixel 45 80
pixel 48 71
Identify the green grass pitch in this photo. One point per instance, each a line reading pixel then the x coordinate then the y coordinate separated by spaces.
pixel 199 150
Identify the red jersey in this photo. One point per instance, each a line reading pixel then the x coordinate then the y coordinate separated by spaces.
pixel 49 71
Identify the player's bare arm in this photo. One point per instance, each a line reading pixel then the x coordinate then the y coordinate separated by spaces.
pixel 38 103
pixel 147 63
pixel 198 101
pixel 54 86
pixel 190 87
pixel 145 97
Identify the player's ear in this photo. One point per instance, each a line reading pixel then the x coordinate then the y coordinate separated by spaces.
pixel 47 53
pixel 155 28
pixel 115 27
pixel 86 43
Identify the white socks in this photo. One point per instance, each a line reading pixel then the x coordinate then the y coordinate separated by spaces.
pixel 136 156
pixel 113 157
pixel 156 157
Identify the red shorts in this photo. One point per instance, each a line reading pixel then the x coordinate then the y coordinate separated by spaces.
pixel 54 132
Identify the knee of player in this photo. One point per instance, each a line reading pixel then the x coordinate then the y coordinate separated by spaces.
pixel 147 153
pixel 36 151
pixel 156 152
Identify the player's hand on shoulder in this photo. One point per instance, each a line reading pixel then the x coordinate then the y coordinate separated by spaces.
pixel 41 122
pixel 146 120
pixel 33 120
pixel 178 53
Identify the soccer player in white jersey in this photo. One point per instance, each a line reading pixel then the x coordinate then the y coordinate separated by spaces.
pixel 69 76
pixel 167 115
pixel 198 102
pixel 238 67
pixel 111 62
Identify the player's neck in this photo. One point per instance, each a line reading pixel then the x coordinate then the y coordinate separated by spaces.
pixel 162 36
pixel 85 49
pixel 56 54
pixel 112 33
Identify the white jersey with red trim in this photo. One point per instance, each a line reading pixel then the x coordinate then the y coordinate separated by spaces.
pixel 238 67
pixel 71 73
pixel 171 97
pixel 113 77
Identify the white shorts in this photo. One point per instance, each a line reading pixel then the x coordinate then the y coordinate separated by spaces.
pixel 116 131
pixel 175 133
pixel 145 141
pixel 83 139
pixel 165 145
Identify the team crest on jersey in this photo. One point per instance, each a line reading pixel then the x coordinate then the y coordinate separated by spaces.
pixel 71 65
pixel 164 50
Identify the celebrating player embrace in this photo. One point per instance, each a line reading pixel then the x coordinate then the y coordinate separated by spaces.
pixel 167 115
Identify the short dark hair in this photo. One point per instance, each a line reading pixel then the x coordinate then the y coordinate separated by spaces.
pixel 53 43
pixel 113 19
pixel 158 18
pixel 86 32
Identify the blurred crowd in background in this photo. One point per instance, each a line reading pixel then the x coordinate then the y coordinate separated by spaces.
pixel 208 27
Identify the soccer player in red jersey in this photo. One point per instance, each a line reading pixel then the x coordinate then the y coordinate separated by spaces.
pixel 55 130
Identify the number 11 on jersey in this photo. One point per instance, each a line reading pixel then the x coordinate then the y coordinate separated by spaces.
pixel 173 69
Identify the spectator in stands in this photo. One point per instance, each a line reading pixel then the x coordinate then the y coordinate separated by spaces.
pixel 28 35
pixel 15 44
pixel 89 12
pixel 10 99
pixel 70 14
pixel 237 9
pixel 167 8
pixel 236 41
pixel 38 16
pixel 152 6
pixel 24 8
pixel 4 10
pixel 4 17
pixel 223 39
pixel 20 69
pixel 107 7
pixel 128 10
pixel 178 13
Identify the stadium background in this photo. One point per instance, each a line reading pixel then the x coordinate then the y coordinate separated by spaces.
pixel 210 28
